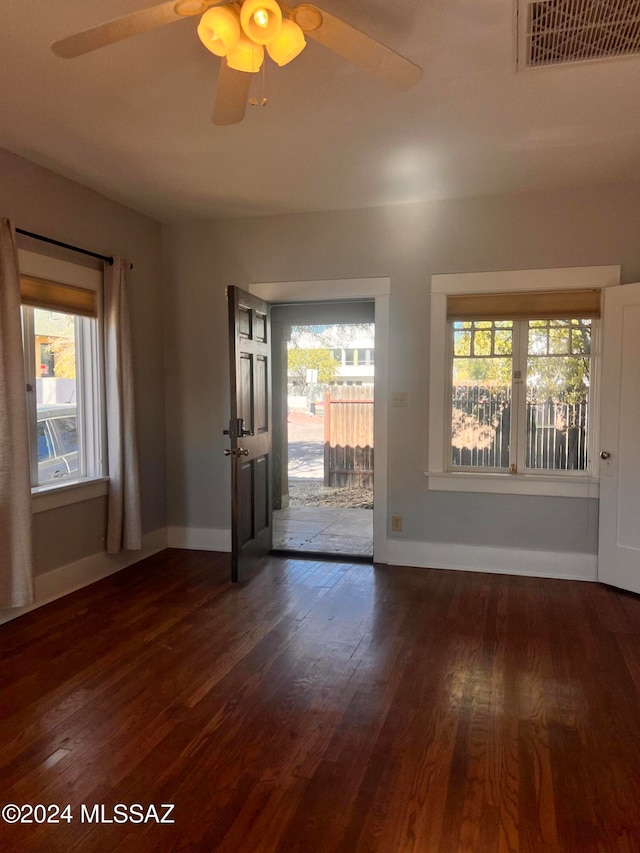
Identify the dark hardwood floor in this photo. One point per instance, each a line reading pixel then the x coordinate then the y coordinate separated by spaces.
pixel 325 707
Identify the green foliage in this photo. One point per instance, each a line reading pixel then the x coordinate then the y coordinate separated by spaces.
pixel 557 364
pixel 492 370
pixel 301 360
pixel 64 350
pixel 564 380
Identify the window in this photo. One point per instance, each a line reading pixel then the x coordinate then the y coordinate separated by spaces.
pixel 520 394
pixel 481 393
pixel 61 342
pixel 364 356
pixel 513 381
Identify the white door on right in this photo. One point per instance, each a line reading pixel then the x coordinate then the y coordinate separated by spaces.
pixel 619 539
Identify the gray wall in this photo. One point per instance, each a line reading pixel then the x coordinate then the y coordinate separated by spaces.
pixel 409 243
pixel 38 200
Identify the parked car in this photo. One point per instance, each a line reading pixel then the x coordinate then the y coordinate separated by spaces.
pixel 57 443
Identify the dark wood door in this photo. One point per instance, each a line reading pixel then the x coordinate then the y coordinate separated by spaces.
pixel 249 431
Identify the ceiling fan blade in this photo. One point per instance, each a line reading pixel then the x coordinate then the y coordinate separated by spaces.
pixel 231 95
pixel 129 25
pixel 352 44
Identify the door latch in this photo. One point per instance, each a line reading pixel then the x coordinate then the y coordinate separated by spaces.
pixel 241 430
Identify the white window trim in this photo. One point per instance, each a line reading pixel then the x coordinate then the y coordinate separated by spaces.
pixel 50 496
pixel 439 478
pixel 44 498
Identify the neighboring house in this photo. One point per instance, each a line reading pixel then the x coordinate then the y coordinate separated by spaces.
pixel 356 363
pixel 352 347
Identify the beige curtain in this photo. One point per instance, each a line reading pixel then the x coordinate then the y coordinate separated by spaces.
pixel 123 525
pixel 16 563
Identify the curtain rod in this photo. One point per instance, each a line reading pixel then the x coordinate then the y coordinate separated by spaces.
pixel 64 245
pixel 53 242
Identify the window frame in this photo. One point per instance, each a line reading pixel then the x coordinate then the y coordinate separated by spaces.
pixel 551 482
pixel 90 389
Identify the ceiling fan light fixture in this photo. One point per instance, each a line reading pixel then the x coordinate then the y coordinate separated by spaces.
pixel 261 20
pixel 246 56
pixel 219 30
pixel 289 43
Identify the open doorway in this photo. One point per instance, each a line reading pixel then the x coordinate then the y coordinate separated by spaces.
pixel 323 428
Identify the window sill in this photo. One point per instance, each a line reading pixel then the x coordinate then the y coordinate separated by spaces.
pixel 568 486
pixel 44 498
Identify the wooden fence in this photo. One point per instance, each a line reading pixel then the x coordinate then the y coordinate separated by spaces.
pixel 555 433
pixel 348 436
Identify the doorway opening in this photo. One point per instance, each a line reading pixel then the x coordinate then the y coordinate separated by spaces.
pixel 323 428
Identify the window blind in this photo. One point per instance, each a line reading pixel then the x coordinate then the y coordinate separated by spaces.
pixel 53 296
pixel 538 305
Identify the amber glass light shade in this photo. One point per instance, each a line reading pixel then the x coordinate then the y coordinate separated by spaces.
pixel 289 43
pixel 219 30
pixel 261 20
pixel 246 56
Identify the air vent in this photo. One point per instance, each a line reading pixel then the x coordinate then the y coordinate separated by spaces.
pixel 557 32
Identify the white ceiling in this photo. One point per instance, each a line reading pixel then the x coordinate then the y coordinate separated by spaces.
pixel 133 120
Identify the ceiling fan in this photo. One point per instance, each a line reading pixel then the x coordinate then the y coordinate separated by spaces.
pixel 239 31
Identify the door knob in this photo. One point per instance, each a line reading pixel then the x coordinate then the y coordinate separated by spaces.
pixel 604 454
pixel 227 452
pixel 242 451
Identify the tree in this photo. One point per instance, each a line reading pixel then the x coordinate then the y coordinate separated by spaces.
pixel 63 347
pixel 301 360
pixel 335 335
pixel 557 364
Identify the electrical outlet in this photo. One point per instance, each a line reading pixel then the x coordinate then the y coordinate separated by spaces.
pixel 396 523
pixel 399 399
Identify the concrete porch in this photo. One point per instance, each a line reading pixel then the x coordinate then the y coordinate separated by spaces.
pixel 327 530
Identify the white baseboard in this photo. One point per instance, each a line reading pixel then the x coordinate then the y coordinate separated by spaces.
pixel 88 570
pixel 199 538
pixel 509 561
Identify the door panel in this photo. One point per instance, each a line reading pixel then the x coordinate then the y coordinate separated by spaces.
pixel 619 548
pixel 244 502
pixel 260 410
pixel 244 322
pixel 260 333
pixel 261 493
pixel 245 390
pixel 249 431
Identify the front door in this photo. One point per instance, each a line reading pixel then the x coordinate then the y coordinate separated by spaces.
pixel 249 431
pixel 619 548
